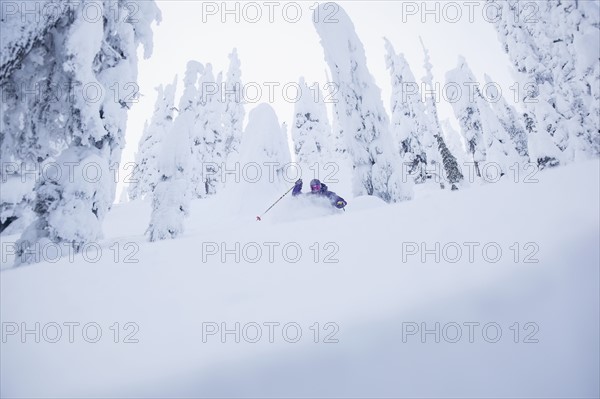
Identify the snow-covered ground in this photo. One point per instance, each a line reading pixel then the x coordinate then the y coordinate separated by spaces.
pixel 367 279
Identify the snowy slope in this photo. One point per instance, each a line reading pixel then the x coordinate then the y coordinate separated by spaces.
pixel 368 294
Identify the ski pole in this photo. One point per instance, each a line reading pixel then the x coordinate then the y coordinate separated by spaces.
pixel 258 218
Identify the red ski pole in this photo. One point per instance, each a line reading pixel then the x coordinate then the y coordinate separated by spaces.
pixel 259 218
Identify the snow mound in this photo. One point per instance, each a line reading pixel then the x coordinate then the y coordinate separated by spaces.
pixel 302 207
pixel 365 202
pixel 369 287
pixel 263 155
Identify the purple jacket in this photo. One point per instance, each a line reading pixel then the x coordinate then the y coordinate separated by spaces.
pixel 333 197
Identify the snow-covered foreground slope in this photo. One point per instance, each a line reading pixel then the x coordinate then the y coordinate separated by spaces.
pixel 375 296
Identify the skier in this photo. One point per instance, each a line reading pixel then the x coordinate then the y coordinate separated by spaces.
pixel 320 189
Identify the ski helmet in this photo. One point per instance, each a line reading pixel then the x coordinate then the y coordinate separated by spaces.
pixel 315 185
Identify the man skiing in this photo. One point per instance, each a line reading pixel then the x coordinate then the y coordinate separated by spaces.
pixel 319 189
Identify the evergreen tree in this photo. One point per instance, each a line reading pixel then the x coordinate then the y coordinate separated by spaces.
pixel 377 168
pixel 85 134
pixel 487 140
pixel 451 168
pixel 511 122
pixel 171 197
pixel 409 122
pixel 186 121
pixel 145 175
pixel 208 136
pixel 467 111
pixel 265 143
pixel 233 112
pixel 311 132
pixel 543 51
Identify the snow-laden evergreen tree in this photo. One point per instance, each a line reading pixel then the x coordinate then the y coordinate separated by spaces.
pixel 453 140
pixel 339 149
pixel 554 52
pixel 171 197
pixel 264 154
pixel 233 109
pixel 145 175
pixel 453 173
pixel 264 143
pixel 377 168
pixel 95 62
pixel 186 121
pixel 35 108
pixel 409 122
pixel 22 32
pixel 486 138
pixel 311 133
pixel 586 49
pixel 500 149
pixel 264 146
pixel 572 29
pixel 177 158
pixel 535 81
pixel 459 81
pixel 208 136
pixel 510 120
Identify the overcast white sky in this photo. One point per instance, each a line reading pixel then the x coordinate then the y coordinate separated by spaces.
pixel 282 50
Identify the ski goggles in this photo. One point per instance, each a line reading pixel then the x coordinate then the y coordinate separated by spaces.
pixel 316 187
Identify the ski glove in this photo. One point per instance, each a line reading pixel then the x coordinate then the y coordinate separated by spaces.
pixel 297 188
pixel 340 204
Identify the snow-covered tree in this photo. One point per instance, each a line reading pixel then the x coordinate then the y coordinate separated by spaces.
pixel 500 149
pixel 409 122
pixel 454 154
pixel 176 161
pixel 264 143
pixel 208 136
pixel 311 132
pixel 171 197
pixel 22 34
pixel 186 121
pixel 233 109
pixel 555 53
pixel 486 138
pixel 572 29
pixel 145 175
pixel 460 82
pixel 377 168
pixel 95 62
pixel 339 149
pixel 586 50
pixel 443 154
pixel 510 120
pixel 264 154
pixel 35 108
pixel 453 140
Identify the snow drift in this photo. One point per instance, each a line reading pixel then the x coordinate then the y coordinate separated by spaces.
pixel 373 289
